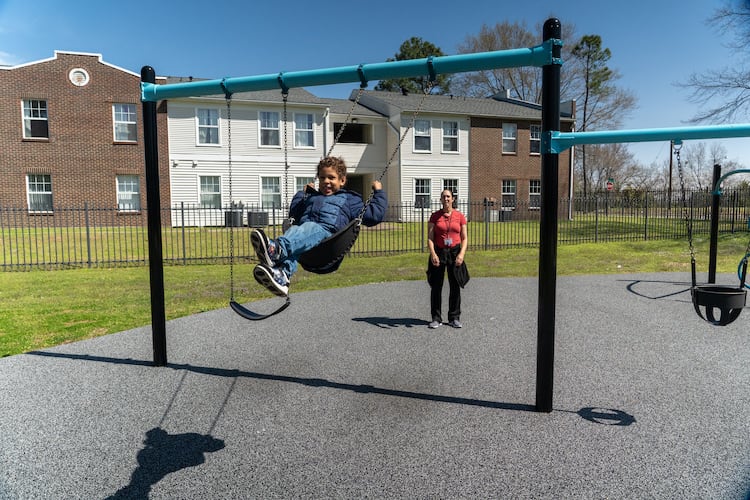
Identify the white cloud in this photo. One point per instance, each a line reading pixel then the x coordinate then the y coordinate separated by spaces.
pixel 8 59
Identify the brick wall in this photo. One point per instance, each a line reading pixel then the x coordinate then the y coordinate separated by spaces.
pixel 80 154
pixel 489 166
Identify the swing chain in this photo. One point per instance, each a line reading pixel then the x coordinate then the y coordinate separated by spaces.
pixel 685 212
pixel 425 92
pixel 285 96
pixel 231 200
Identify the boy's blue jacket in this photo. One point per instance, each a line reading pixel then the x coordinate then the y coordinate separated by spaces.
pixel 335 211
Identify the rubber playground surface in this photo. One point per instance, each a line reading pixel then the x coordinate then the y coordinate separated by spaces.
pixel 348 394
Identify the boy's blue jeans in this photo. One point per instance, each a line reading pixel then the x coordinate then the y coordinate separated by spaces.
pixel 296 241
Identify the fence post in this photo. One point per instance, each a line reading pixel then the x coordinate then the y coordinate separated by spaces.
pixel 486 224
pixel 422 232
pixel 182 223
pixel 645 218
pixel 88 232
pixel 596 218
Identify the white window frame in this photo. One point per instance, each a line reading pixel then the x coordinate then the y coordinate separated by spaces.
pixel 535 139
pixel 209 204
pixel 124 122
pixel 265 128
pixel 45 182
pixel 128 189
pixel 301 182
pixel 424 134
pixel 451 184
pixel 450 136
pixel 270 194
pixel 535 194
pixel 510 138
pixel 208 133
pixel 508 194
pixel 422 196
pixel 34 110
pixel 301 132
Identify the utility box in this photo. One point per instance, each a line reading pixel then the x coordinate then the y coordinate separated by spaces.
pixel 233 218
pixel 257 219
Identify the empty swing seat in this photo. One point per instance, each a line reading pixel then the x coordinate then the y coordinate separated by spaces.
pixel 729 301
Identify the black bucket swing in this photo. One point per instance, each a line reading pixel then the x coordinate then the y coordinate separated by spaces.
pixel 719 305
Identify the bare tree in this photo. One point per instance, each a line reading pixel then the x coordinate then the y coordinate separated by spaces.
pixel 725 93
pixel 523 83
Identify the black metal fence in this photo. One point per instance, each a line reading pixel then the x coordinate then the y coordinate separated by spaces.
pixel 104 237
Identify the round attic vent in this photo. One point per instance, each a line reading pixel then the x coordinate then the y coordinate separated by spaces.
pixel 78 77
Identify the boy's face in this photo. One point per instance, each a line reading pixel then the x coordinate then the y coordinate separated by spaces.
pixel 330 181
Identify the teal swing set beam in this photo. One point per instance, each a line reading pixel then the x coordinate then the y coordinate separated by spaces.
pixel 539 55
pixel 546 56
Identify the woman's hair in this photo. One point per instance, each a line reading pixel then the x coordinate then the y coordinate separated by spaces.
pixel 334 162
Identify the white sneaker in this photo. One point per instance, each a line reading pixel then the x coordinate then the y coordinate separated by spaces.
pixel 433 324
pixel 275 280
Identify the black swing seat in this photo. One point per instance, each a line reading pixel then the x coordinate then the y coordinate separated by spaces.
pixel 327 256
pixel 253 316
pixel 727 300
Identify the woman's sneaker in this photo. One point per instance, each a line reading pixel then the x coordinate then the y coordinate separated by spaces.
pixel 275 280
pixel 265 250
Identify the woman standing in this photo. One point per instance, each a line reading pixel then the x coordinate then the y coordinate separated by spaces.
pixel 447 242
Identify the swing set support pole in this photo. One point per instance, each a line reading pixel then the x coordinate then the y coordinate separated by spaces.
pixel 548 227
pixel 712 249
pixel 153 200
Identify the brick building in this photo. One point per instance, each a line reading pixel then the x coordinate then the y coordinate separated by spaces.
pixel 72 135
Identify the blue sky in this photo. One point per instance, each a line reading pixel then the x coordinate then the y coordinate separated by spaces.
pixel 654 43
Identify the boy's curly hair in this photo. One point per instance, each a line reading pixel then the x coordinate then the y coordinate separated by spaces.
pixel 334 162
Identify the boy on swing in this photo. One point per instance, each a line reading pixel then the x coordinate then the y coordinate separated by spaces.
pixel 317 215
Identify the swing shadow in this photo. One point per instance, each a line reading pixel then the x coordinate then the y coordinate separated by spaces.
pixel 163 454
pixel 387 323
pixel 585 413
pixel 631 287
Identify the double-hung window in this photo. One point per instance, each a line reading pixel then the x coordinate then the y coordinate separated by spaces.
pixel 35 124
pixel 208 126
pixel 124 118
pixel 422 193
pixel 39 192
pixel 422 140
pixel 210 191
pixel 301 182
pixel 535 194
pixel 535 139
pixel 270 192
pixel 452 186
pixel 509 194
pixel 303 130
pixel 128 193
pixel 510 133
pixel 450 137
pixel 269 128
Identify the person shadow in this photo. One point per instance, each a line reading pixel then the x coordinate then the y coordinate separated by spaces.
pixel 163 454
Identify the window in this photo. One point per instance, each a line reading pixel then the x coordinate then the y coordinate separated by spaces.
pixel 450 137
pixel 422 136
pixel 269 128
pixel 509 137
pixel 210 191
pixel 535 194
pixel 270 192
pixel 35 125
pixel 124 120
pixel 128 193
pixel 208 126
pixel 303 131
pixel 301 182
pixel 452 186
pixel 509 194
pixel 422 193
pixel 354 133
pixel 39 192
pixel 535 139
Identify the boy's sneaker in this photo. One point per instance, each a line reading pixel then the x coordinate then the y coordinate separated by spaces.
pixel 455 323
pixel 433 324
pixel 275 280
pixel 265 250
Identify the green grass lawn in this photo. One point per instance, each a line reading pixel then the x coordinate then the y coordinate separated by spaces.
pixel 45 308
